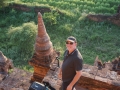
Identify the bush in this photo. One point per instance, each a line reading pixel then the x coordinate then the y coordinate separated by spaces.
pixel 2 3
pixel 24 38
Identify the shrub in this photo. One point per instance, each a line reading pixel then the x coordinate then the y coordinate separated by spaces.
pixel 23 37
pixel 2 3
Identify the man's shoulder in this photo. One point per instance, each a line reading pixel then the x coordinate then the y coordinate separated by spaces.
pixel 78 54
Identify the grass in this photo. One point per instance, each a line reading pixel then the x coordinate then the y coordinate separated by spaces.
pixel 18 29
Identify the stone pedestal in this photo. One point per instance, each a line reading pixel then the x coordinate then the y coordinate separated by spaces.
pixel 39 73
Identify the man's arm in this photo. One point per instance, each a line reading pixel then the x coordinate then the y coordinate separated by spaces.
pixel 75 79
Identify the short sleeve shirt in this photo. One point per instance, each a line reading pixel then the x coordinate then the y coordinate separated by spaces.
pixel 72 62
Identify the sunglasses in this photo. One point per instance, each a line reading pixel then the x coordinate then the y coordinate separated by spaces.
pixel 71 43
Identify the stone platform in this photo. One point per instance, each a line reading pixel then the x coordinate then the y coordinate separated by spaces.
pixel 17 80
pixel 92 79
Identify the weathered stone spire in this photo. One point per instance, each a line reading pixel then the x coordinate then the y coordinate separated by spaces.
pixel 41 26
pixel 43 46
pixel 2 57
pixel 44 54
pixel 5 64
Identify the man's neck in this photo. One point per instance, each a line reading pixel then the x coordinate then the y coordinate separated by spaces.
pixel 70 51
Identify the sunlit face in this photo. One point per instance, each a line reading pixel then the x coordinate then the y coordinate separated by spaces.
pixel 71 45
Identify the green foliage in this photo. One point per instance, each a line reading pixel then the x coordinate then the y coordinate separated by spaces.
pixel 22 40
pixel 2 3
pixel 23 37
pixel 18 29
pixel 50 18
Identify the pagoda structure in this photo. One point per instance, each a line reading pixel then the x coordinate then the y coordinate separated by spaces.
pixel 44 54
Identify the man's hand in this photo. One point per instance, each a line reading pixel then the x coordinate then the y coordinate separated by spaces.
pixel 69 87
pixel 60 74
pixel 75 79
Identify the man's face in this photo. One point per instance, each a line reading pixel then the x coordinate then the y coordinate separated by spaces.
pixel 71 45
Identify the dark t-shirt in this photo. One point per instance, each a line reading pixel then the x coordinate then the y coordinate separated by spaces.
pixel 72 63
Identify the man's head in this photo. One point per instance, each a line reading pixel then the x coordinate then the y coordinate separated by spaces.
pixel 71 43
pixel 71 39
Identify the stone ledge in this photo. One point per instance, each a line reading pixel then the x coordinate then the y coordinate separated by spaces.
pixel 91 79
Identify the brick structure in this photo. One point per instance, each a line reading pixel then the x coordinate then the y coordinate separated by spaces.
pixel 101 76
pixel 44 54
pixel 5 64
pixel 115 19
pixel 92 79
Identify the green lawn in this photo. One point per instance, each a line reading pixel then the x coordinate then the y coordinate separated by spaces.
pixel 18 29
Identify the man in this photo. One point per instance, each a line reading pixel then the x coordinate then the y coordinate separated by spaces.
pixel 72 65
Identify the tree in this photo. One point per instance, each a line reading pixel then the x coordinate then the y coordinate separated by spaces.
pixel 2 3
